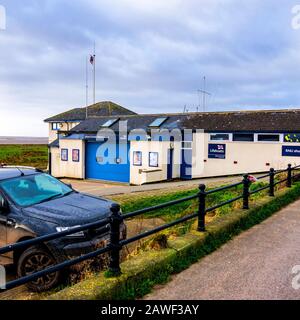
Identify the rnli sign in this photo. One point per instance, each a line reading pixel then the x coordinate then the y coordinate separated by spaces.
pixel 291 151
pixel 216 151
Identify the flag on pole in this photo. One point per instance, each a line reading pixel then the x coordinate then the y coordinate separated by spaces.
pixel 92 59
pixel 93 63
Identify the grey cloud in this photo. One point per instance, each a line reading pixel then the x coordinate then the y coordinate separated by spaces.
pixel 151 56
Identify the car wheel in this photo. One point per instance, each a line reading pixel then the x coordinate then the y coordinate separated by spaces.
pixel 36 259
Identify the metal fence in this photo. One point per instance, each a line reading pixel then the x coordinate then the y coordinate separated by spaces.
pixel 116 219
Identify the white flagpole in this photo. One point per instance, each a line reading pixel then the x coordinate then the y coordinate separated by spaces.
pixel 86 86
pixel 94 72
pixel 204 94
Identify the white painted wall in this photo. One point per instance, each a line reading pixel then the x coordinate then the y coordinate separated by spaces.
pixel 145 174
pixel 250 157
pixel 65 126
pixel 199 146
pixel 55 162
pixel 69 168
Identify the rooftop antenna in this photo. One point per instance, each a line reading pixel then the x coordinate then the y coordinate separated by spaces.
pixel 199 100
pixel 204 94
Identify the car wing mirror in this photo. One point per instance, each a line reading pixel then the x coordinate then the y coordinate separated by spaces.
pixel 4 207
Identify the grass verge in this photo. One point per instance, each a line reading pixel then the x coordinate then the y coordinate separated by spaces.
pixel 142 272
pixel 133 202
pixel 25 155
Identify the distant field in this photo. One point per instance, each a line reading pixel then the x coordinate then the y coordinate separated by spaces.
pixel 25 155
pixel 23 140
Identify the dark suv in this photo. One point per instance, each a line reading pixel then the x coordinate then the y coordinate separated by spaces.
pixel 32 204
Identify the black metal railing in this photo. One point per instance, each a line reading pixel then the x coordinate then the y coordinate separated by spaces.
pixel 113 223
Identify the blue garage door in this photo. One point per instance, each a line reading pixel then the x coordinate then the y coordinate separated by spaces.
pixel 110 166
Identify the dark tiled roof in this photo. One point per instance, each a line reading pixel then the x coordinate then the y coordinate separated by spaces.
pixel 264 121
pixel 105 108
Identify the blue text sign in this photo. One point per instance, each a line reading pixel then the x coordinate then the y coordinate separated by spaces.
pixel 291 151
pixel 216 151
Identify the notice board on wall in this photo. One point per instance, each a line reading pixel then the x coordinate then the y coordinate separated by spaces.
pixel 291 151
pixel 216 151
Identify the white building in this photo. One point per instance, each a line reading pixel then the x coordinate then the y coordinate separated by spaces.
pixel 205 144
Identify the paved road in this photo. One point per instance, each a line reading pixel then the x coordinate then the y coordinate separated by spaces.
pixel 106 189
pixel 255 265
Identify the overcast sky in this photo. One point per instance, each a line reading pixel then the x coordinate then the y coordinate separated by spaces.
pixel 151 56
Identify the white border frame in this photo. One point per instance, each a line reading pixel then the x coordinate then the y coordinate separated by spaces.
pixel 281 137
pixel 216 141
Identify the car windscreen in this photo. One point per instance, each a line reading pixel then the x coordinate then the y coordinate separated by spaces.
pixel 34 189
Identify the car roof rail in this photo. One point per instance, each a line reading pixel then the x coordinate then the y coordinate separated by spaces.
pixel 3 166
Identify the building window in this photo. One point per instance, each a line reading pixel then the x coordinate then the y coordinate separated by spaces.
pixel 137 158
pixel 75 155
pixel 219 137
pixel 153 159
pixel 292 137
pixel 64 154
pixel 55 126
pixel 268 137
pixel 243 137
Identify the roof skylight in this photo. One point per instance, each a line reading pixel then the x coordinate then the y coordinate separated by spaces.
pixel 109 123
pixel 157 122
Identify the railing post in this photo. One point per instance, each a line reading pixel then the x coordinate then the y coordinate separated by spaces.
pixel 289 176
pixel 116 220
pixel 272 175
pixel 246 184
pixel 202 208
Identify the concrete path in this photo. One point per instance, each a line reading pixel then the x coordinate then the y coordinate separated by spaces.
pixel 255 265
pixel 106 189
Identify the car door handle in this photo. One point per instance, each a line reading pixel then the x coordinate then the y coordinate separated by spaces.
pixel 11 222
